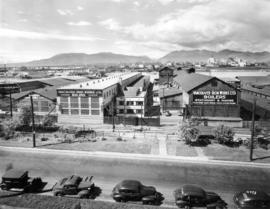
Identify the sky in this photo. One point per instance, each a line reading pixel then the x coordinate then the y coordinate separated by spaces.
pixel 37 29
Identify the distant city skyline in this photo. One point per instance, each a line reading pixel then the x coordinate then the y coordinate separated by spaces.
pixel 37 29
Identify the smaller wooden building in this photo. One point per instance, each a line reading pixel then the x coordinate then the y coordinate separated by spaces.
pixel 166 76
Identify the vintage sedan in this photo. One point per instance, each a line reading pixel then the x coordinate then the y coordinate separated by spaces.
pixel 19 179
pixel 252 199
pixel 133 190
pixel 190 196
pixel 74 186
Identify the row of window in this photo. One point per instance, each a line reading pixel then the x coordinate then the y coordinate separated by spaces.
pixel 130 111
pixel 109 93
pixel 74 102
pixel 139 103
pixel 77 111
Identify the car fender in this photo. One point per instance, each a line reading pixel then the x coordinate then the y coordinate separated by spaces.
pixel 117 196
pixel 84 193
pixel 181 203
pixel 149 198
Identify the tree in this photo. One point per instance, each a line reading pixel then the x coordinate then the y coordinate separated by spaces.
pixel 48 121
pixel 224 135
pixel 25 116
pixel 7 128
pixel 190 134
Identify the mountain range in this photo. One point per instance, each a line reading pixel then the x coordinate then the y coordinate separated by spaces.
pixel 84 59
pixel 204 55
pixel 175 56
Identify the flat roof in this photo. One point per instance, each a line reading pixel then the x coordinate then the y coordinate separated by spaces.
pixel 101 83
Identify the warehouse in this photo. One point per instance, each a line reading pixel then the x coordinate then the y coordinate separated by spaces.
pixel 87 103
pixel 209 99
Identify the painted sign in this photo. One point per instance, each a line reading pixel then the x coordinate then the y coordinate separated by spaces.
pixel 79 93
pixel 222 97
pixel 7 88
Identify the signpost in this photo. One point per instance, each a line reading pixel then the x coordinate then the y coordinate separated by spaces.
pixel 214 97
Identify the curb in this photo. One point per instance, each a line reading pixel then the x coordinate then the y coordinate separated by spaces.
pixel 131 156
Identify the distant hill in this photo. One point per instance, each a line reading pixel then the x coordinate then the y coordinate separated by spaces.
pixel 81 59
pixel 203 55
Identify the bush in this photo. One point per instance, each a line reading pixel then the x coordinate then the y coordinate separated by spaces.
pixel 25 116
pixel 7 128
pixel 119 138
pixel 190 134
pixel 224 135
pixel 48 121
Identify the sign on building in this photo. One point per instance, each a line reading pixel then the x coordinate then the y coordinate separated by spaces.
pixel 79 93
pixel 222 97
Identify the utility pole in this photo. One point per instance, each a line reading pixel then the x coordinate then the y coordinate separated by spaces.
pixel 253 129
pixel 141 115
pixel 10 103
pixel 33 122
pixel 113 125
pixel 124 112
pixel 163 101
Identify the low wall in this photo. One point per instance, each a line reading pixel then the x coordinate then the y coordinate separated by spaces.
pixel 135 121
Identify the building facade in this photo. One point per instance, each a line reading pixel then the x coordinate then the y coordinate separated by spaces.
pixel 210 99
pixel 87 103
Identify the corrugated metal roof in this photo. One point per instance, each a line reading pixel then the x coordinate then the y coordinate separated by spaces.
pixel 58 82
pixel 101 83
pixel 189 81
pixel 169 92
pixel 265 91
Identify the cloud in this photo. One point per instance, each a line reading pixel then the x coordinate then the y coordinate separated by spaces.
pixel 111 24
pixel 11 33
pixel 23 20
pixel 65 12
pixel 80 23
pixel 80 8
pixel 215 25
pixel 136 3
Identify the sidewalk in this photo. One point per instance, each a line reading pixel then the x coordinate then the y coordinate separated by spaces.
pixel 165 158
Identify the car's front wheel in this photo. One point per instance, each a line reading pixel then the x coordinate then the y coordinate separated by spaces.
pixel 58 194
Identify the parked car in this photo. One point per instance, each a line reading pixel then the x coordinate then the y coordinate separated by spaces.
pixel 19 179
pixel 194 196
pixel 75 186
pixel 133 190
pixel 168 113
pixel 252 199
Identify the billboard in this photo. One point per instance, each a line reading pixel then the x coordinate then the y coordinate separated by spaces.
pixel 215 97
pixel 79 93
pixel 7 88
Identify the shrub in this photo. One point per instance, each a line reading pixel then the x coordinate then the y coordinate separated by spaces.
pixel 190 134
pixel 119 138
pixel 224 135
pixel 25 116
pixel 7 128
pixel 48 121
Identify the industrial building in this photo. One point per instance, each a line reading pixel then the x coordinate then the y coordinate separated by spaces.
pixel 87 103
pixel 209 99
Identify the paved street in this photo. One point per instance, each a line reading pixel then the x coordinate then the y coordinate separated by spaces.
pixel 165 173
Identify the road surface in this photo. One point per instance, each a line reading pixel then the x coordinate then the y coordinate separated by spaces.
pixel 165 175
